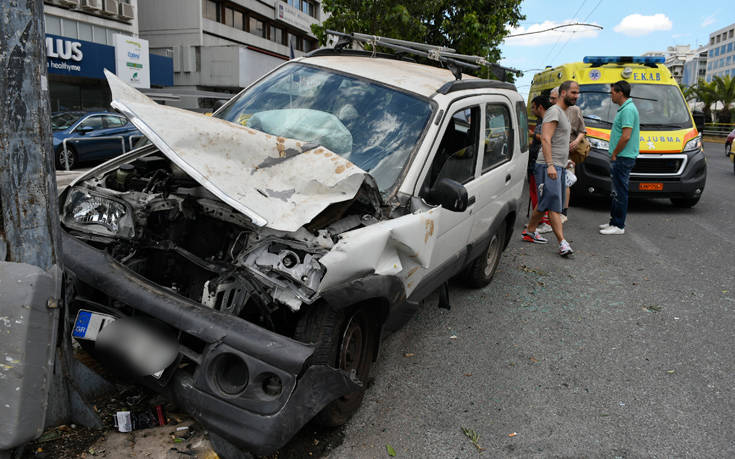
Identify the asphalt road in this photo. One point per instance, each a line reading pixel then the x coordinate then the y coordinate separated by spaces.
pixel 624 351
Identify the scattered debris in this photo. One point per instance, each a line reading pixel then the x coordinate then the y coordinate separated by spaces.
pixel 409 354
pixel 474 438
pixel 468 374
pixel 526 269
pixel 391 451
pixel 653 308
pixel 671 372
pixel 513 434
pixel 533 359
pixel 453 337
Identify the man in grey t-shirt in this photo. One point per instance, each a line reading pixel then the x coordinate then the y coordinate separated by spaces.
pixel 549 171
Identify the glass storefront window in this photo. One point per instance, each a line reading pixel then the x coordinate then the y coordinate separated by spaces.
pixel 53 25
pixel 85 31
pixel 99 35
pixel 69 28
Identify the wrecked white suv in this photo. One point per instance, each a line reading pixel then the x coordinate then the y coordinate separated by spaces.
pixel 268 248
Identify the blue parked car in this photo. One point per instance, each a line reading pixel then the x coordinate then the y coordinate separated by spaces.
pixel 88 125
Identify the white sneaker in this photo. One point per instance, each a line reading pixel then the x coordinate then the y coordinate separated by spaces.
pixel 565 249
pixel 612 230
pixel 544 228
pixel 604 225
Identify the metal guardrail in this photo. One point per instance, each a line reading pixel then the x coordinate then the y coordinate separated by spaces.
pixel 107 137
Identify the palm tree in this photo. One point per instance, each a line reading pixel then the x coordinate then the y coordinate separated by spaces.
pixel 724 91
pixel 705 93
pixel 688 92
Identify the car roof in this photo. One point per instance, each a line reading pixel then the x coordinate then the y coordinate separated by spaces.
pixel 410 76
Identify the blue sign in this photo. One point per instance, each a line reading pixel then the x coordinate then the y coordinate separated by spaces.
pixel 67 56
pixel 71 57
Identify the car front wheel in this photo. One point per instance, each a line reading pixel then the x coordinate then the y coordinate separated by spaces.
pixel 344 339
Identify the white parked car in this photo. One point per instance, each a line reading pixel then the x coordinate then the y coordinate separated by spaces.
pixel 262 253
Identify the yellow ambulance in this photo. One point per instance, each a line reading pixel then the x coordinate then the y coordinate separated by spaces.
pixel 671 162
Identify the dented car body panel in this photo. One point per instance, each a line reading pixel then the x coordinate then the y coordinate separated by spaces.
pixel 277 262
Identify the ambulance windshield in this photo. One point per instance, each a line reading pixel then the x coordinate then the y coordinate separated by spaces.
pixel 661 107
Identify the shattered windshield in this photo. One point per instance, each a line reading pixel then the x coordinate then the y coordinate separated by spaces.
pixel 371 125
pixel 660 107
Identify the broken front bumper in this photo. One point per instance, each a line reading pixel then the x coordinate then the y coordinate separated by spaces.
pixel 259 405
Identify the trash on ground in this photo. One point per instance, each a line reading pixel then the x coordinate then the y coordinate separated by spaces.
pixel 391 451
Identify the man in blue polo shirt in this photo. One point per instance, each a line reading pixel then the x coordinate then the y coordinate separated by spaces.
pixel 624 149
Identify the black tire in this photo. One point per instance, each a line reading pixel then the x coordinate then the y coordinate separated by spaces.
pixel 73 158
pixel 481 271
pixel 344 339
pixel 685 203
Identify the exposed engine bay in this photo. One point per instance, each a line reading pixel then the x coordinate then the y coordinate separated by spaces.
pixel 153 218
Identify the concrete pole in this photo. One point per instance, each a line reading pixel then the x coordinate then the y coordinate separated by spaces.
pixel 29 228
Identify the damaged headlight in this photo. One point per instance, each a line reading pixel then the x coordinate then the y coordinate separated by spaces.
pixel 91 212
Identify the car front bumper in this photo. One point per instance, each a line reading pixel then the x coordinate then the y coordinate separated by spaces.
pixel 593 177
pixel 253 419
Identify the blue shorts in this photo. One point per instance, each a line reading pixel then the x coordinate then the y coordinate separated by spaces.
pixel 550 192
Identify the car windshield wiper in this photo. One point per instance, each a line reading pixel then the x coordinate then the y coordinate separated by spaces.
pixel 595 118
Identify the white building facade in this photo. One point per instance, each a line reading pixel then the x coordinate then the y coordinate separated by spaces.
pixel 721 54
pixel 82 40
pixel 224 45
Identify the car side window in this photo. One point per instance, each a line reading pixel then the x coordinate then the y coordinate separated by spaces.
pixel 95 122
pixel 112 121
pixel 456 157
pixel 498 136
pixel 522 125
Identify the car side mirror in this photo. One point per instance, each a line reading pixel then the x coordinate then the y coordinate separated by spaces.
pixel 699 120
pixel 449 194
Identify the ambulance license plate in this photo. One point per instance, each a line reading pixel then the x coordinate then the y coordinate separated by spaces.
pixel 650 186
pixel 89 324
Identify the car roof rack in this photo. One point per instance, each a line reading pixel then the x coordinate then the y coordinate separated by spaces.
pixel 447 57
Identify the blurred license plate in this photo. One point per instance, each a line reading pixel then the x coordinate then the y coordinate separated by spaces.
pixel 88 324
pixel 650 186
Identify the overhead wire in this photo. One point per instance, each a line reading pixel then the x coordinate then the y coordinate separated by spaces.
pixel 572 35
pixel 559 37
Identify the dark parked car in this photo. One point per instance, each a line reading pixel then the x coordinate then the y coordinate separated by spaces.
pixel 84 129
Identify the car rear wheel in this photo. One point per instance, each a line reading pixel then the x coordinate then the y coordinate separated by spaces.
pixel 61 158
pixel 344 339
pixel 685 203
pixel 482 270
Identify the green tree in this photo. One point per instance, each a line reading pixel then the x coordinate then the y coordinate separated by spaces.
pixel 705 93
pixel 474 27
pixel 724 92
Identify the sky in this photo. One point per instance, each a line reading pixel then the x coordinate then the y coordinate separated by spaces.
pixel 630 28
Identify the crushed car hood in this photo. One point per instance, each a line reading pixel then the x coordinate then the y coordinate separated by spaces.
pixel 277 182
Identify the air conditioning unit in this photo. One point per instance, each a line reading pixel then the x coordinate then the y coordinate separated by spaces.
pixel 126 11
pixel 110 7
pixel 92 5
pixel 68 3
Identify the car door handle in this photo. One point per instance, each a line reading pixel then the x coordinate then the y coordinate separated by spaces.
pixel 471 201
pixel 507 178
